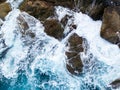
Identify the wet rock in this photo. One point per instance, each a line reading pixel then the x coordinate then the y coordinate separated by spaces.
pixel 24 27
pixel 1 22
pixel 4 9
pixel 74 63
pixel 115 84
pixel 64 20
pixel 53 28
pixel 22 23
pixel 95 8
pixel 64 3
pixel 112 2
pixel 110 29
pixel 1 1
pixel 38 8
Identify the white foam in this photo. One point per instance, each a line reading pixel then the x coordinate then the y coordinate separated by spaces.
pixel 15 3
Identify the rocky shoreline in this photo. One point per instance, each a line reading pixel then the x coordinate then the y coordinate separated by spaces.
pixel 106 10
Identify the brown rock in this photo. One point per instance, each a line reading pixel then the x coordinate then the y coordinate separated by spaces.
pixel 74 64
pixel 95 8
pixel 4 9
pixel 37 8
pixel 110 29
pixel 53 28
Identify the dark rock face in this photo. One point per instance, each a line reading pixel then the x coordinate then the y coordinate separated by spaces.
pixel 53 28
pixel 74 64
pixel 4 9
pixel 42 9
pixel 64 3
pixel 115 84
pixel 95 8
pixel 110 29
pixel 112 2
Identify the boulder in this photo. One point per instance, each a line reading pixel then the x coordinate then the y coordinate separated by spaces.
pixel 53 28
pixel 115 84
pixel 37 8
pixel 110 29
pixel 74 63
pixel 4 9
pixel 42 9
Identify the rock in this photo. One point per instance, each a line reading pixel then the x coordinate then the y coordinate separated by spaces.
pixel 38 8
pixel 4 9
pixel 1 22
pixel 24 27
pixel 53 28
pixel 74 63
pixel 115 84
pixel 64 20
pixel 64 3
pixel 112 2
pixel 110 29
pixel 95 8
pixel 23 24
pixel 1 1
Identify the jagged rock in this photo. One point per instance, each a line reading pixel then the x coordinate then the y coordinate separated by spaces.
pixel 64 20
pixel 74 64
pixel 95 8
pixel 42 9
pixel 1 22
pixel 4 9
pixel 115 84
pixel 24 27
pixel 38 8
pixel 53 28
pixel 64 3
pixel 110 29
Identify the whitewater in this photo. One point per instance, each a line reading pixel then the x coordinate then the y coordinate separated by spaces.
pixel 32 60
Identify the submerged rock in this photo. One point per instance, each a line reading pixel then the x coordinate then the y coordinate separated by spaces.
pixel 53 28
pixel 74 63
pixel 110 29
pixel 1 1
pixel 4 9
